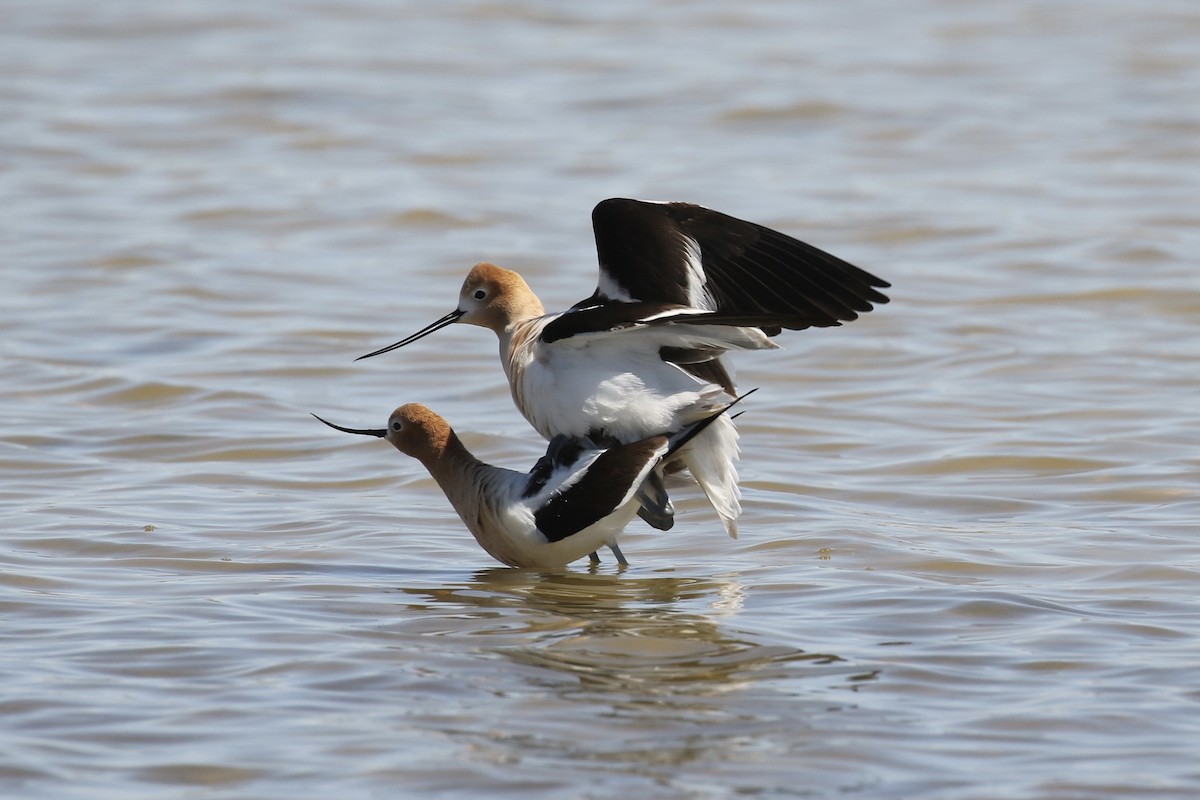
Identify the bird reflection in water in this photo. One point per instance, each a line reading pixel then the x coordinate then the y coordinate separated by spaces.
pixel 616 632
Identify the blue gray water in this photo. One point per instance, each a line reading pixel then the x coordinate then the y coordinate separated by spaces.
pixel 968 565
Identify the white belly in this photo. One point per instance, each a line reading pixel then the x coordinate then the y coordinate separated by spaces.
pixel 614 381
pixel 624 393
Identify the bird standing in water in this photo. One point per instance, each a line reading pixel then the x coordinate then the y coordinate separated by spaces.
pixel 577 498
pixel 679 286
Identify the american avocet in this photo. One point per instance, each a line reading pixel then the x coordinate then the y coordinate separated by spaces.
pixel 577 498
pixel 679 285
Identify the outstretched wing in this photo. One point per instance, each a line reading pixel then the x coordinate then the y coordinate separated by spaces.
pixel 688 255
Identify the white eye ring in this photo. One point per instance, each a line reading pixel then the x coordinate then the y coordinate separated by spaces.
pixel 396 426
pixel 480 294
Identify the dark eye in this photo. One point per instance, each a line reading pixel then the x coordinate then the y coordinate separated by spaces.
pixel 396 427
pixel 480 294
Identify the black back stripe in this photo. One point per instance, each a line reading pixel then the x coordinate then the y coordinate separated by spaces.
pixel 612 479
pixel 609 481
pixel 607 317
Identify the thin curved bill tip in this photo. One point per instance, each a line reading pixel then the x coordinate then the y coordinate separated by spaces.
pixel 740 398
pixel 380 432
pixel 450 318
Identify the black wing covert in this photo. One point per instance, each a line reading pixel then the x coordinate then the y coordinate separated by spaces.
pixel 600 491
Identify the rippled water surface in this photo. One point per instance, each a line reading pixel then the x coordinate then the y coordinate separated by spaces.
pixel 968 565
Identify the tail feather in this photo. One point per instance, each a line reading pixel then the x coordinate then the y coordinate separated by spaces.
pixel 711 458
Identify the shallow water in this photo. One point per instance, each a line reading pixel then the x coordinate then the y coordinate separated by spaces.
pixel 968 565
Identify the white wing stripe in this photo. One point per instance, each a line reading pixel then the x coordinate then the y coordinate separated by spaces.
pixel 697 282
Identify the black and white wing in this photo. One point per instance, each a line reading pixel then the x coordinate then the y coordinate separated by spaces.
pixel 688 255
pixel 599 489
